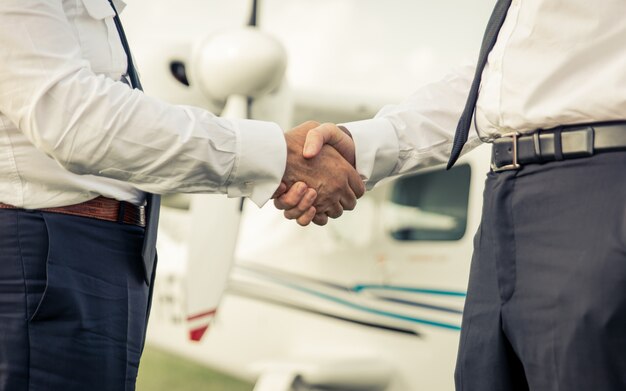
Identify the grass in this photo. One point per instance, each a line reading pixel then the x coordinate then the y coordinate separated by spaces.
pixel 161 371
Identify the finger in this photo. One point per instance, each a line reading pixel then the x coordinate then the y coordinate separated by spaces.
pixel 335 212
pixel 292 197
pixel 348 202
pixel 307 201
pixel 320 219
pixel 306 218
pixel 303 206
pixel 282 188
pixel 356 183
pixel 348 198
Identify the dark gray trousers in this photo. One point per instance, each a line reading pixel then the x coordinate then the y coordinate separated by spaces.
pixel 546 304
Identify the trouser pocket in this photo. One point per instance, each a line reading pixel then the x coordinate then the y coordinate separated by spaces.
pixel 91 314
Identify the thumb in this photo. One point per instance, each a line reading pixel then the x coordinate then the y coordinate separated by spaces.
pixel 315 140
pixel 332 135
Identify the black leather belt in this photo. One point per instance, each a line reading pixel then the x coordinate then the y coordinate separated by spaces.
pixel 513 150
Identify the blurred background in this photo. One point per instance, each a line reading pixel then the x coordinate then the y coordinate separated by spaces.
pixel 162 371
pixel 247 301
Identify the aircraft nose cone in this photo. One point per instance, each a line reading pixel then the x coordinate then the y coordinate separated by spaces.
pixel 244 61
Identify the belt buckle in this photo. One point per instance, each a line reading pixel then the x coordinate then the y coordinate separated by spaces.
pixel 514 165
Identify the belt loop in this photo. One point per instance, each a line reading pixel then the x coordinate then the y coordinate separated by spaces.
pixel 537 144
pixel 558 149
pixel 121 212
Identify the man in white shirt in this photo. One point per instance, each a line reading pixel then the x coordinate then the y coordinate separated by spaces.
pixel 78 150
pixel 546 302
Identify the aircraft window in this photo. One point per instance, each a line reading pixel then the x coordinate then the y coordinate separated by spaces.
pixel 429 206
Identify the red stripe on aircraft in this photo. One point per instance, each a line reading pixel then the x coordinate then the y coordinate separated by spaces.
pixel 202 315
pixel 196 334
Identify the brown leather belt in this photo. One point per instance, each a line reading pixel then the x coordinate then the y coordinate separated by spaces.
pixel 101 208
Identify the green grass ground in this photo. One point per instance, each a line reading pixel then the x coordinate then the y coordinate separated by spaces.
pixel 161 371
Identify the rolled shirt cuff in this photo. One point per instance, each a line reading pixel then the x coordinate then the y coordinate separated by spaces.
pixel 260 165
pixel 377 149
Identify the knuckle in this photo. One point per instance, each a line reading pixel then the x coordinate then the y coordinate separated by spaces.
pixel 323 208
pixel 320 220
pixel 350 205
pixel 288 207
pixel 302 207
pixel 335 213
pixel 306 218
pixel 311 196
pixel 293 213
pixel 289 202
pixel 360 191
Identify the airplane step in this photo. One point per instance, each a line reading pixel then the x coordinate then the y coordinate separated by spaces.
pixel 340 375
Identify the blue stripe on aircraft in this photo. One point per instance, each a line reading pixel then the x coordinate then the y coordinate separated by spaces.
pixel 359 307
pixel 420 305
pixel 363 287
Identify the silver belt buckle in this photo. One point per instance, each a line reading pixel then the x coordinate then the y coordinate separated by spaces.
pixel 514 165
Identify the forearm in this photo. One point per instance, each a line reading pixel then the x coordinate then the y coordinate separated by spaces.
pixel 414 134
pixel 92 124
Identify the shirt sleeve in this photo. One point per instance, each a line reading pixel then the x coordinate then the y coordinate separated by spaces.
pixel 91 124
pixel 416 133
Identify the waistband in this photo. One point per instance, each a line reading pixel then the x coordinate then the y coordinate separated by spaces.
pixel 100 208
pixel 513 150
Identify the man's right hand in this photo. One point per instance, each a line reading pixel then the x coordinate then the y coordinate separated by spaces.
pixel 328 169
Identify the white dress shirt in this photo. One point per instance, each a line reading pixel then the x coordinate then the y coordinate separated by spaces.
pixel 70 132
pixel 554 63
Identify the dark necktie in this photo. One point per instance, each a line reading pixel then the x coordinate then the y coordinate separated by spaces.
pixel 153 201
pixel 489 40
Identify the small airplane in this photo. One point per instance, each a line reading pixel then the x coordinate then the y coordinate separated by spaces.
pixel 372 301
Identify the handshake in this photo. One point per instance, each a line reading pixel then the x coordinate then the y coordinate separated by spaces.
pixel 320 180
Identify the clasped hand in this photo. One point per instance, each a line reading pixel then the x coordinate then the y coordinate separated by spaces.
pixel 320 180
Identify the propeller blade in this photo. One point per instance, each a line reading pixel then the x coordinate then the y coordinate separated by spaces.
pixel 253 14
pixel 252 22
